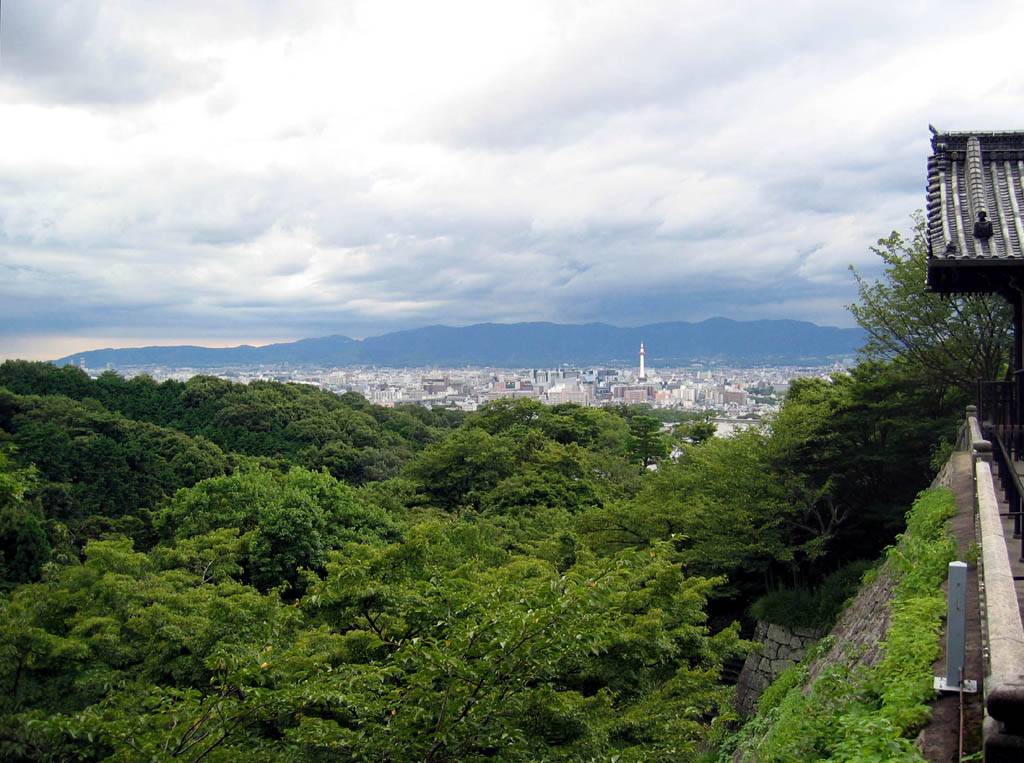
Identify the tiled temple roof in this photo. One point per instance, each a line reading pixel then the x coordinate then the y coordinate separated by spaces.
pixel 968 173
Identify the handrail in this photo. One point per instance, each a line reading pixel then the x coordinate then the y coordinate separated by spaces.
pixel 1011 484
pixel 997 402
pixel 1004 680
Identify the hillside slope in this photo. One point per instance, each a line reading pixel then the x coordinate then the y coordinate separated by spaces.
pixel 865 692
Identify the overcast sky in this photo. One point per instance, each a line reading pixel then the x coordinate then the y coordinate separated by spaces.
pixel 245 171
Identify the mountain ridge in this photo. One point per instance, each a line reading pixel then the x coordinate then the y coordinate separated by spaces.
pixel 535 343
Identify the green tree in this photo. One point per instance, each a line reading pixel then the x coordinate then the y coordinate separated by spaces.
pixel 591 428
pixel 96 468
pixel 24 546
pixel 504 415
pixel 509 657
pixel 441 647
pixel 718 501
pixel 696 430
pixel 647 444
pixel 290 521
pixel 293 424
pixel 821 486
pixel 462 468
pixel 946 342
pixel 865 440
pixel 119 657
pixel 26 377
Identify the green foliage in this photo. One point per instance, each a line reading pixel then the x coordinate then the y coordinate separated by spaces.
pixel 24 546
pixel 793 607
pixel 731 506
pixel 93 463
pixel 512 588
pixel 595 429
pixel 647 444
pixel 509 657
pixel 517 457
pixel 289 521
pixel 863 442
pixel 79 652
pixel 783 505
pixel 945 343
pixel 696 430
pixel 439 647
pixel 29 378
pixel 294 423
pixel 462 468
pixel 940 454
pixel 628 410
pixel 868 714
pixel 811 608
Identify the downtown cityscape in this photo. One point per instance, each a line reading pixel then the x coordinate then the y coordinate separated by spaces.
pixel 733 391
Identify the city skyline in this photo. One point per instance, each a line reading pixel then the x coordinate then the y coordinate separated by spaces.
pixel 748 392
pixel 252 173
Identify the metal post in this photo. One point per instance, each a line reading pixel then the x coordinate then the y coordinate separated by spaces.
pixel 956 632
pixel 956 623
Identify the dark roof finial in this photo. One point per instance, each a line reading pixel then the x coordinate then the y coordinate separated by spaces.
pixel 983 226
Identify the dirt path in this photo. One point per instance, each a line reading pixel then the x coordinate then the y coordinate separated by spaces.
pixel 939 740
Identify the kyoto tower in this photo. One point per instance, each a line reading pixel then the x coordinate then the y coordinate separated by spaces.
pixel 643 373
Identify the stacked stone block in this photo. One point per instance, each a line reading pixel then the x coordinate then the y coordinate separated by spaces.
pixel 783 648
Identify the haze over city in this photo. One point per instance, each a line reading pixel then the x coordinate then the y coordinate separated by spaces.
pixel 252 172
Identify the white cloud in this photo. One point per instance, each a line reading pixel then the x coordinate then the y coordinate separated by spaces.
pixel 265 169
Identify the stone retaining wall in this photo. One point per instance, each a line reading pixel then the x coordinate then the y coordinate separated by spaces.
pixel 783 647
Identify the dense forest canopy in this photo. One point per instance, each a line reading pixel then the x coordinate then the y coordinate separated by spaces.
pixel 206 570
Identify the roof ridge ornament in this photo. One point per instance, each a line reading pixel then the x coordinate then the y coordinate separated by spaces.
pixel 975 176
pixel 982 227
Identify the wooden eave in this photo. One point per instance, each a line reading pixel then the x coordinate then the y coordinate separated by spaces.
pixel 976 276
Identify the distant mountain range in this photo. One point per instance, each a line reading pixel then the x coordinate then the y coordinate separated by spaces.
pixel 518 345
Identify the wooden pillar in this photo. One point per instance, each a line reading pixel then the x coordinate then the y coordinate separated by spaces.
pixel 1018 363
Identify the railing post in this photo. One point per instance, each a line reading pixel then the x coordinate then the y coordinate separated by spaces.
pixel 956 638
pixel 1015 506
pixel 1017 393
pixel 956 633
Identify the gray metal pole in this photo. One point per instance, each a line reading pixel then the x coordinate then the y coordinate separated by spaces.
pixel 956 634
pixel 956 623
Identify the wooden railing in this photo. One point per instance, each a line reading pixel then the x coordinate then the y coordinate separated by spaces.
pixel 1004 457
pixel 997 404
pixel 998 414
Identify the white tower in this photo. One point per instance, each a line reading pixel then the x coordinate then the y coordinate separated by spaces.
pixel 643 373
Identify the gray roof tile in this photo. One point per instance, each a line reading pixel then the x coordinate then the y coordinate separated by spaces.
pixel 968 173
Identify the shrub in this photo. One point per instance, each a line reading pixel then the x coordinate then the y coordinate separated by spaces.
pixel 812 608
